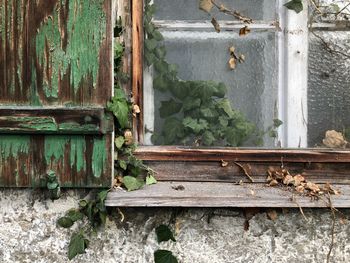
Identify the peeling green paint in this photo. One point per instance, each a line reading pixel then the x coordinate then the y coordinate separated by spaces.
pixel 77 153
pixel 36 123
pixel 54 147
pixel 76 127
pixel 13 145
pixel 86 25
pixel 99 156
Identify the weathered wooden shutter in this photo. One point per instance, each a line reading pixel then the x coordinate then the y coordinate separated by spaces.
pixel 55 80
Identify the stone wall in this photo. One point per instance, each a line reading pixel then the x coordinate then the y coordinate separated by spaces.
pixel 28 233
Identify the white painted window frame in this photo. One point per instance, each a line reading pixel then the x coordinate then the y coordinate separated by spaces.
pixel 292 50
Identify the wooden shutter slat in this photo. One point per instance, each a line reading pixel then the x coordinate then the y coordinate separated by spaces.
pixel 55 121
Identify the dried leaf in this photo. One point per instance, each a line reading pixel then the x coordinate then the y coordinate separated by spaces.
pixel 216 25
pixel 272 215
pixel 135 110
pixel 312 187
pixel 300 189
pixel 128 137
pixel 273 183
pixel 206 5
pixel 232 50
pixel 244 31
pixel 252 192
pixel 223 163
pixel 232 63
pixel 298 179
pixel 288 179
pixel 334 139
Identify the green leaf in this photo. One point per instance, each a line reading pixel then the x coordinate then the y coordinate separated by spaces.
pixel 172 129
pixel 159 83
pixel 52 186
pixel 120 109
pixel 190 103
pixel 164 233
pixel 150 44
pixel 169 108
pixel 150 180
pixel 195 125
pixel 295 5
pixel 226 107
pixel 123 164
pixel 208 138
pixel 65 222
pixel 164 256
pixel 83 203
pixel 157 35
pixel 277 123
pixel 75 215
pixel 102 195
pixel 76 245
pixel 119 141
pixel 131 183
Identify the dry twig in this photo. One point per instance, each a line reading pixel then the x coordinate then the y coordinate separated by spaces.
pixel 245 171
pixel 233 13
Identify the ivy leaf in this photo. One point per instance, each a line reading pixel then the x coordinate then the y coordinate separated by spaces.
pixel 150 44
pixel 150 180
pixel 277 123
pixel 172 128
pixel 295 5
pixel 164 234
pixel 226 107
pixel 77 245
pixel 52 186
pixel 131 183
pixel 169 108
pixel 65 222
pixel 190 103
pixel 75 215
pixel 102 196
pixel 208 138
pixel 164 256
pixel 119 141
pixel 122 164
pixel 195 125
pixel 120 108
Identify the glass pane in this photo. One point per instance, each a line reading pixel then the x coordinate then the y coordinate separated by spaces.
pixel 189 9
pixel 199 100
pixel 329 85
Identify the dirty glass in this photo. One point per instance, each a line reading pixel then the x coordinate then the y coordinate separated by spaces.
pixel 328 85
pixel 188 9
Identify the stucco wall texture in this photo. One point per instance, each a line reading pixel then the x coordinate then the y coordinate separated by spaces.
pixel 28 233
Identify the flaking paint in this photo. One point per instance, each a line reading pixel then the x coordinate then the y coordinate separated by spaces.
pixel 99 156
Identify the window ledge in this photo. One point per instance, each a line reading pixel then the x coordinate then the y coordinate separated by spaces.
pixel 209 194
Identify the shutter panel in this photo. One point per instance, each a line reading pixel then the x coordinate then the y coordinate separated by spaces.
pixel 55 80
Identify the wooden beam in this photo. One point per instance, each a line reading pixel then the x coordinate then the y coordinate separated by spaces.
pixel 55 120
pixel 193 194
pixel 137 66
pixel 333 173
pixel 176 153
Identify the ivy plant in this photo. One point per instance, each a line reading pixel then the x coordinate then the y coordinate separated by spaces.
pixel 197 112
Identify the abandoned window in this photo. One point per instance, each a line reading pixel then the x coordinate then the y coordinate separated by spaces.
pixel 243 73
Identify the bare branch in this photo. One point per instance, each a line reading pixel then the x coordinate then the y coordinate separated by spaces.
pixel 233 13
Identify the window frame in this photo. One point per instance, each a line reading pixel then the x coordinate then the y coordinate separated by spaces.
pixel 292 104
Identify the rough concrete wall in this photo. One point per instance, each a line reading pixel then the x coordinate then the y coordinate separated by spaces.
pixel 28 233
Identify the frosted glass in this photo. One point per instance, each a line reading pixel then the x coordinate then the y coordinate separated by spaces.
pixel 188 9
pixel 329 86
pixel 252 86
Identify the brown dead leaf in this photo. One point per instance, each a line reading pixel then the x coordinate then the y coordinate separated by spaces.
pixel 334 139
pixel 288 179
pixel 328 188
pixel 232 63
pixel 298 179
pixel 244 31
pixel 216 25
pixel 206 5
pixel 128 137
pixel 273 183
pixel 300 189
pixel 272 214
pixel 312 187
pixel 135 110
pixel 223 163
pixel 252 192
pixel 118 181
pixel 232 50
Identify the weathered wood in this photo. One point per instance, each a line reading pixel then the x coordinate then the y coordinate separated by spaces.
pixel 55 120
pixel 177 153
pixel 52 57
pixel 137 66
pixel 213 171
pixel 195 194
